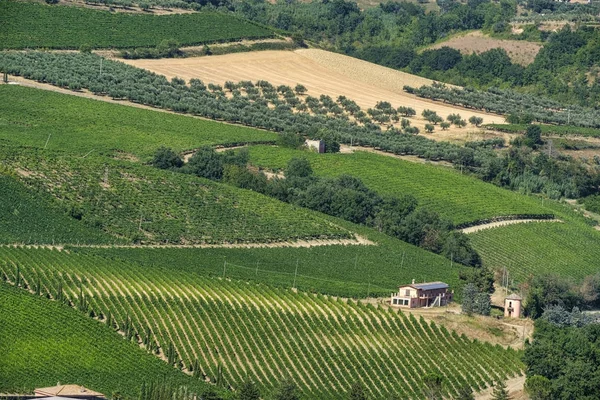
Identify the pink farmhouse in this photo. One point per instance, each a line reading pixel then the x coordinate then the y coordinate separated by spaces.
pixel 429 294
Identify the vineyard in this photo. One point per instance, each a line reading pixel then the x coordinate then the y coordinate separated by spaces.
pixel 459 198
pixel 29 217
pixel 227 331
pixel 29 118
pixel 46 342
pixel 567 249
pixel 147 205
pixel 559 130
pixel 32 25
pixel 347 271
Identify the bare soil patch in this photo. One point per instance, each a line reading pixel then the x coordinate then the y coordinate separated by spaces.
pixel 321 72
pixel 477 228
pixel 519 51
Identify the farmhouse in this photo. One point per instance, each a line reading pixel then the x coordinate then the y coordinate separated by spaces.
pixel 429 294
pixel 315 145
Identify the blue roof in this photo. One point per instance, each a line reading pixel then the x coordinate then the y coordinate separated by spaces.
pixel 430 285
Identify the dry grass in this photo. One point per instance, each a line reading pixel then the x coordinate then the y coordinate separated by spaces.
pixel 519 51
pixel 321 72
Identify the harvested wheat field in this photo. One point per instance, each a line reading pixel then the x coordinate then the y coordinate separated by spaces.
pixel 321 72
pixel 519 51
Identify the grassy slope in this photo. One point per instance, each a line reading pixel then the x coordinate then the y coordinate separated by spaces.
pixel 350 271
pixel 31 25
pixel 454 196
pixel 255 331
pixel 78 125
pixel 43 342
pixel 139 202
pixel 30 217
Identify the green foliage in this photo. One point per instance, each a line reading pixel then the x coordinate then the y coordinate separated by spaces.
pixel 166 158
pixel 290 140
pixel 30 217
pixel 476 120
pixel 550 290
pixel 465 393
pixel 433 386
pixel 536 249
pixel 31 25
pixel 298 168
pixel 469 298
pixel 357 392
pixel 538 387
pixel 533 135
pixel 454 196
pixel 565 357
pixel 206 163
pixel 500 392
pixel 91 126
pixel 287 391
pixel 120 198
pixel 248 391
pixel 218 310
pixel 80 350
pixel 429 128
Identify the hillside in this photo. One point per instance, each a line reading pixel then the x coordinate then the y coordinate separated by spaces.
pixel 320 71
pixel 35 25
pixel 520 51
pixel 120 198
pixel 85 126
pixel 459 198
pixel 322 344
pixel 43 342
pixel 27 216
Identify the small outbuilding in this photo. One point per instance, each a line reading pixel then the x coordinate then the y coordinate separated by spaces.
pixel 428 294
pixel 317 146
pixel 512 306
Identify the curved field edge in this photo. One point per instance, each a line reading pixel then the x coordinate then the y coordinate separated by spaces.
pixel 43 342
pixel 88 125
pixel 33 25
pixel 569 249
pixel 321 343
pixel 462 199
pixel 142 204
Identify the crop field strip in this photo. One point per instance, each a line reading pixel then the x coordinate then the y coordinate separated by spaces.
pixel 568 249
pixel 323 344
pixel 29 118
pixel 141 203
pixel 80 350
pixel 459 198
pixel 33 25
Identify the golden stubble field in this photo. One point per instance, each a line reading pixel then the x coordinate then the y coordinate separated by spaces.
pixel 519 51
pixel 321 72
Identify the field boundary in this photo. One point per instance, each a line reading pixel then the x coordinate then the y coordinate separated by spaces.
pixel 497 224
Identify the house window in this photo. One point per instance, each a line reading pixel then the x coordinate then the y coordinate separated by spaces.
pixel 395 301
pixel 405 302
pixel 407 292
pixel 510 304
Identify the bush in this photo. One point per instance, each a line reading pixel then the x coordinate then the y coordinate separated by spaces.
pixel 166 158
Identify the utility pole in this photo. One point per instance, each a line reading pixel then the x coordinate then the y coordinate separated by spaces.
pixel 224 267
pixel 99 76
pixel 295 273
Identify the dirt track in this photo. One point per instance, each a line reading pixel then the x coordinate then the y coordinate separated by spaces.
pixel 477 228
pixel 321 72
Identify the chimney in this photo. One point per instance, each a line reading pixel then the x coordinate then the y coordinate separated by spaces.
pixel 413 281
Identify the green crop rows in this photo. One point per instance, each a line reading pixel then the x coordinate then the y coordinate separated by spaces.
pixel 567 249
pixel 31 25
pixel 348 271
pixel 322 344
pixel 29 217
pixel 144 204
pixel 45 342
pixel 459 198
pixel 29 117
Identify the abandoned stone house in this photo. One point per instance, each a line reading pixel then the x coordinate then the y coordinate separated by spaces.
pixel 428 294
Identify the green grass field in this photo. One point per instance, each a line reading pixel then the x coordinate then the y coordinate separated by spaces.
pixel 143 204
pixel 34 25
pixel 349 271
pixel 43 119
pixel 568 249
pixel 254 331
pixel 454 196
pixel 28 217
pixel 43 342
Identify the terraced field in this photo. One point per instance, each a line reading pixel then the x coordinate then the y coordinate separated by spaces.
pixel 253 331
pixel 35 25
pixel 44 342
pixel 29 117
pixel 459 198
pixel 143 204
pixel 568 249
